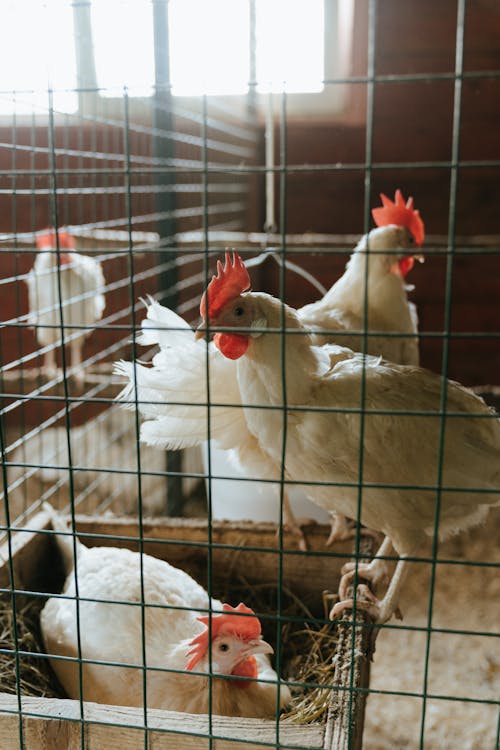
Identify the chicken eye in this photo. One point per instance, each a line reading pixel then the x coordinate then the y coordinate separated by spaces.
pixel 410 239
pixel 238 311
pixel 223 647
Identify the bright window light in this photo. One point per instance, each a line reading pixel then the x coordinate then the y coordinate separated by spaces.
pixel 290 45
pixel 37 51
pixel 122 32
pixel 209 49
pixel 209 46
pixel 211 54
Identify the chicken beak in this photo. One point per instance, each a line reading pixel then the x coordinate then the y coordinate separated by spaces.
pixel 420 258
pixel 200 332
pixel 257 646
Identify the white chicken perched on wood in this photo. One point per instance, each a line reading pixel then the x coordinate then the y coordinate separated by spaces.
pixel 383 257
pixel 80 303
pixel 420 468
pixel 371 299
pixel 176 637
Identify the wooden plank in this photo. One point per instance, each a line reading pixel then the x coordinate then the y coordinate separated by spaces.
pixel 29 549
pixel 50 724
pixel 238 547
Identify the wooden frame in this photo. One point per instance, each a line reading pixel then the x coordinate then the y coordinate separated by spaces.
pixel 50 723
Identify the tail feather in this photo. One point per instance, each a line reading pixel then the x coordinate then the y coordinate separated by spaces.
pixel 164 327
pixel 172 393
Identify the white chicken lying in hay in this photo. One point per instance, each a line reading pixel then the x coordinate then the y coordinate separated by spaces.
pixel 176 637
pixel 421 468
pixel 80 302
pixel 381 260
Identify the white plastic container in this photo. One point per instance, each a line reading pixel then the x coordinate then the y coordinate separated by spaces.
pixel 235 498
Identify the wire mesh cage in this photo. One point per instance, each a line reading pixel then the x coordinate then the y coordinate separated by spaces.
pixel 160 134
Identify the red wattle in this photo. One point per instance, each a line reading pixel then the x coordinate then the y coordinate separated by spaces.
pixel 246 668
pixel 406 264
pixel 231 345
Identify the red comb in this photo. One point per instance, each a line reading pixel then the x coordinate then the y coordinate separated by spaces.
pixel 400 213
pixel 47 238
pixel 231 280
pixel 247 628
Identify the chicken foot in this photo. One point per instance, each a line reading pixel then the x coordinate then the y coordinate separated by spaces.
pixel 375 571
pixel 380 610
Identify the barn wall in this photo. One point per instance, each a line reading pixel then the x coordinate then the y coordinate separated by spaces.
pixel 413 124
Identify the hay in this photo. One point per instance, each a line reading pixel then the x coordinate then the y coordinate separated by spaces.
pixel 35 674
pixel 307 647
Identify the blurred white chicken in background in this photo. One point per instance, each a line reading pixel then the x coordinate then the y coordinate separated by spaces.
pixel 175 636
pixel 383 257
pixel 80 303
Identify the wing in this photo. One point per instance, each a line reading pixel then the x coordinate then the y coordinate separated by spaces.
pixel 189 393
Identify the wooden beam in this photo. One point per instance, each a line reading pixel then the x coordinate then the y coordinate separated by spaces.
pixel 51 723
pixel 353 655
pixel 241 548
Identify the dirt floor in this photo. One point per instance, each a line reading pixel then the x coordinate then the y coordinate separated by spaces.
pixel 465 665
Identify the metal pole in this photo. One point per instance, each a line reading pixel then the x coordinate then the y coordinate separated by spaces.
pixel 163 148
pixel 84 49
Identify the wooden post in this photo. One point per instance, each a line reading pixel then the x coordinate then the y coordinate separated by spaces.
pixel 346 714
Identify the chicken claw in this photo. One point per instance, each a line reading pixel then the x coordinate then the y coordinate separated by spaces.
pixel 378 610
pixel 376 572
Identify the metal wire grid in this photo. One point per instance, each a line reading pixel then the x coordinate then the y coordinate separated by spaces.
pixel 152 265
pixel 131 279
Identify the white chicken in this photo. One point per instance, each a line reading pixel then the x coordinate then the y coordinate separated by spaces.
pixel 178 373
pixel 81 301
pixel 374 280
pixel 176 637
pixel 371 299
pixel 421 468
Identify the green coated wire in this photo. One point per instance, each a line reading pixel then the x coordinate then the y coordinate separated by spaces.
pixel 55 217
pixel 127 176
pixel 11 591
pixel 284 170
pixel 205 202
pixel 282 480
pixel 370 95
pixel 459 52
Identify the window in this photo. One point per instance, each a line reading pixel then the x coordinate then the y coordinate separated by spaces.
pixel 210 48
pixel 37 52
pixel 210 45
